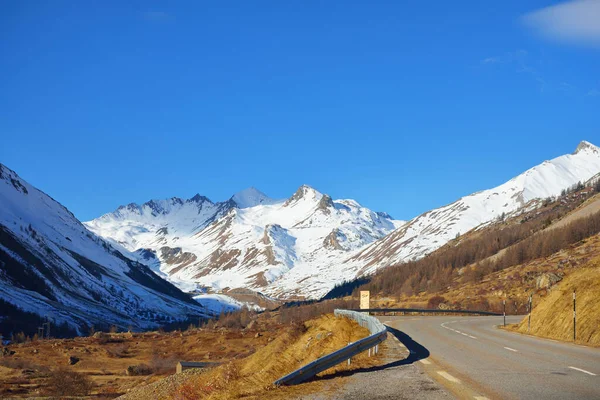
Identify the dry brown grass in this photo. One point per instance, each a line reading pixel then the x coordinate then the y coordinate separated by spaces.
pixel 253 377
pixel 553 316
pixel 105 359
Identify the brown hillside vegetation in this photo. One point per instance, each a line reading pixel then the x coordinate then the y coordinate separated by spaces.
pixel 514 284
pixel 553 316
pixel 253 377
pixel 512 241
pixel 504 260
pixel 110 364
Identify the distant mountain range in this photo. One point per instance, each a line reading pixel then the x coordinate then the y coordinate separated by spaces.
pixel 304 245
pixel 132 266
pixel 248 241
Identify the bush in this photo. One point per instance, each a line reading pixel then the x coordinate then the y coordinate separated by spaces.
pixel 140 369
pixel 64 382
pixel 435 302
pixel 163 365
pixel 118 351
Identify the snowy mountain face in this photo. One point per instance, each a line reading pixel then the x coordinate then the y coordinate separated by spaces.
pixel 51 265
pixel 306 244
pixel 433 229
pixel 248 241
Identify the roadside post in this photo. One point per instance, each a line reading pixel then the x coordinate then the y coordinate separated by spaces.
pixel 504 312
pixel 529 316
pixel 574 319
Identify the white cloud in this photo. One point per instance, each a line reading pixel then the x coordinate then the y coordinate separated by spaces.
pixel 490 60
pixel 157 16
pixel 505 58
pixel 576 21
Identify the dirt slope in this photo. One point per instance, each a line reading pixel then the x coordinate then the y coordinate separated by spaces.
pixel 552 317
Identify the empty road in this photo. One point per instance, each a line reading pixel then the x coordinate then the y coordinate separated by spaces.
pixel 474 359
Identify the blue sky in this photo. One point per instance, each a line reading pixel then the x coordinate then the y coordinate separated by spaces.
pixel 403 106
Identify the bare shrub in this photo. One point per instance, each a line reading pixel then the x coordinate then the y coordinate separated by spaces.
pixel 119 351
pixel 64 382
pixel 163 365
pixel 435 302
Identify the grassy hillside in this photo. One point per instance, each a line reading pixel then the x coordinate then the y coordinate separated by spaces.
pixel 252 377
pixel 505 260
pixel 553 316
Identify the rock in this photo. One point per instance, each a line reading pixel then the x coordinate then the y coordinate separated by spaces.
pixel 73 360
pixel 547 280
pixel 250 325
pixel 7 352
pixel 258 334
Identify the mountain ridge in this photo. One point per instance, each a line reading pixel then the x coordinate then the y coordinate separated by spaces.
pixel 243 233
pixel 51 265
pixel 291 268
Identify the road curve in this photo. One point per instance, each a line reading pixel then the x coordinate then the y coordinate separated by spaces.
pixel 475 359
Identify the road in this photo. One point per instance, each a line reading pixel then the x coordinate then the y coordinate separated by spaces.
pixel 475 359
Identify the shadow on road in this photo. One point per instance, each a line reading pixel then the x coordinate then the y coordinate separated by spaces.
pixel 417 352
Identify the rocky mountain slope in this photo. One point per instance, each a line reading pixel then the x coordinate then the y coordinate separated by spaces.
pixel 249 241
pixel 51 265
pixel 304 245
pixel 433 229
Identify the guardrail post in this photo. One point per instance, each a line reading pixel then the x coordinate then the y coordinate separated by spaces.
pixel 349 343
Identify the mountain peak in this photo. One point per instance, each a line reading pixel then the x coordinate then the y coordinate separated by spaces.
pixel 304 191
pixel 586 146
pixel 251 197
pixel 198 198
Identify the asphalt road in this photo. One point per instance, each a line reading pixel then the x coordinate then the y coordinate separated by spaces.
pixel 474 359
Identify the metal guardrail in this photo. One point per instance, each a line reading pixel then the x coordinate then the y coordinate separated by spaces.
pixel 425 310
pixel 378 335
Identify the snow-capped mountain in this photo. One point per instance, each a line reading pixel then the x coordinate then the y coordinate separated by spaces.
pixel 433 229
pixel 51 265
pixel 306 244
pixel 248 241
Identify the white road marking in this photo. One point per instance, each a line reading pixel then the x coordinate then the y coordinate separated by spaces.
pixel 508 348
pixel 448 376
pixel 456 331
pixel 425 361
pixel 387 322
pixel 583 370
